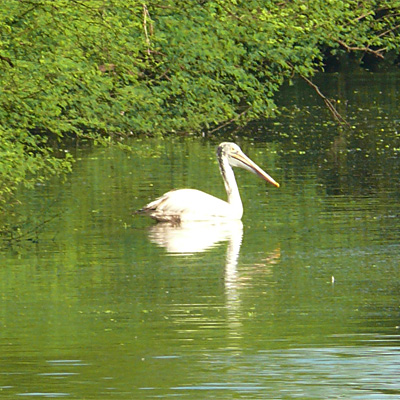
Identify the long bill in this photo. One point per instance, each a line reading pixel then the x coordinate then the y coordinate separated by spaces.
pixel 246 163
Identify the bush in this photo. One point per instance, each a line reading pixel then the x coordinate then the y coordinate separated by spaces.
pixel 102 68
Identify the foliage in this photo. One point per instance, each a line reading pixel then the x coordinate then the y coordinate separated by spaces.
pixel 26 159
pixel 99 68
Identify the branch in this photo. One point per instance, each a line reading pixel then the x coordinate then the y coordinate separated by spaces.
pixel 376 53
pixel 32 230
pixel 7 60
pixel 328 103
pixel 234 119
pixel 388 31
pixel 146 16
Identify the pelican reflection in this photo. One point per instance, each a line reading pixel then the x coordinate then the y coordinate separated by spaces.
pixel 197 236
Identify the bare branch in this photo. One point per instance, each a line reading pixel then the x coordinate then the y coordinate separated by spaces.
pixel 389 30
pixel 146 16
pixel 231 121
pixel 376 53
pixel 35 229
pixel 7 60
pixel 328 103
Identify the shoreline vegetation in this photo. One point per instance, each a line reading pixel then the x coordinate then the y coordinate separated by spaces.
pixel 102 70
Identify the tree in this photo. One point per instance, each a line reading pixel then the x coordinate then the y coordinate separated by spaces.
pixel 100 68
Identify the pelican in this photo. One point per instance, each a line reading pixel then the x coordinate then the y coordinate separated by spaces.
pixel 184 205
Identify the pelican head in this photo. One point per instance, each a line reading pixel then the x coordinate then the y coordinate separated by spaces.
pixel 232 153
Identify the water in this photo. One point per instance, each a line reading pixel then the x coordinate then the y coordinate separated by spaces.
pixel 300 300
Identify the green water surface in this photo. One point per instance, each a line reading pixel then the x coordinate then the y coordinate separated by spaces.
pixel 300 300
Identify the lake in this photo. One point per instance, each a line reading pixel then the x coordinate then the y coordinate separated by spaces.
pixel 301 299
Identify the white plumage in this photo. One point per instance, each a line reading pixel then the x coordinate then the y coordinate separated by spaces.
pixel 194 205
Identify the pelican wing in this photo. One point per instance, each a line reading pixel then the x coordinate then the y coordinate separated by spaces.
pixel 188 204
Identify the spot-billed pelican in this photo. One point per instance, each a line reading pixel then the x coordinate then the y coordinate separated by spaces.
pixel 194 205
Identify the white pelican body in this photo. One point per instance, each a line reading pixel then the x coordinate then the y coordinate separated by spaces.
pixel 194 205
